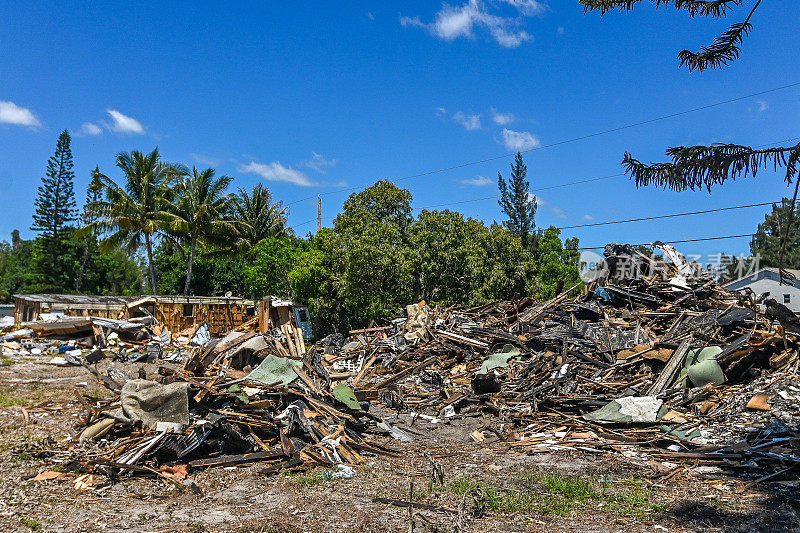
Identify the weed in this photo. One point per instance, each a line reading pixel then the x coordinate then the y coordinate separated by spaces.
pixel 30 523
pixel 307 479
pixel 7 400
pixel 550 493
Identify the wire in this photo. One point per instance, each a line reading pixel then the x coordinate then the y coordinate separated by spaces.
pixel 534 190
pixel 676 242
pixel 588 180
pixel 666 216
pixel 565 141
pixel 304 223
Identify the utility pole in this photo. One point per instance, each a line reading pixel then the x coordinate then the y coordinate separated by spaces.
pixel 319 213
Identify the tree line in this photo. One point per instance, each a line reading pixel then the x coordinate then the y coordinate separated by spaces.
pixel 157 227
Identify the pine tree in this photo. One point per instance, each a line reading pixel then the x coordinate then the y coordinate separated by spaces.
pixel 94 193
pixel 55 205
pixel 517 202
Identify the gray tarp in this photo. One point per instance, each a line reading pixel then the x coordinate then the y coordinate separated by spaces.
pixel 151 402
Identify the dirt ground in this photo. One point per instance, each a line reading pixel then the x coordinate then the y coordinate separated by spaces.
pixel 489 486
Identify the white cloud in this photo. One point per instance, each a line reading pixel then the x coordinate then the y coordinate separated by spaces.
pixel 519 140
pixel 276 172
pixel 440 111
pixel 454 22
pixel 319 163
pixel 509 39
pixel 588 217
pixel 470 122
pixel 502 119
pixel 528 7
pixel 90 128
pixel 11 113
pixel 370 16
pixel 561 30
pixel 206 160
pixel 558 212
pixel 762 105
pixel 124 123
pixel 478 181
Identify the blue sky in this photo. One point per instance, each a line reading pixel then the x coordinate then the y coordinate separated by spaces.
pixel 322 97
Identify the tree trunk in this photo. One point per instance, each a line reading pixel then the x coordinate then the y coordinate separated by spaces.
pixel 189 267
pixel 151 269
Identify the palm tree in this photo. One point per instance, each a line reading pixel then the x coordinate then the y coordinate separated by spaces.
pixel 134 213
pixel 261 217
pixel 201 213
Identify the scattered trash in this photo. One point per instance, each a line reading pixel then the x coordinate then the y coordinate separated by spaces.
pixel 342 472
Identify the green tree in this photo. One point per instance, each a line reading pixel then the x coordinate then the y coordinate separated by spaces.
pixel 316 280
pixel 216 271
pixel 201 213
pixel 94 194
pixel 510 268
pixel 16 260
pixel 557 264
pixel 135 213
pixel 767 240
pixel 450 258
pixel 259 215
pixel 272 260
pixel 374 253
pixel 361 270
pixel 55 209
pixel 517 202
pixel 383 202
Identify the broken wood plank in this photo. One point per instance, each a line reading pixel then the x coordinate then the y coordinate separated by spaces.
pixel 230 460
pixel 671 370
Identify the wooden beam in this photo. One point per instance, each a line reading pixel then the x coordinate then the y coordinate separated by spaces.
pixel 674 364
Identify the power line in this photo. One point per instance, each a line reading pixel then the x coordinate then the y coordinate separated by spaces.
pixel 672 215
pixel 676 242
pixel 579 182
pixel 566 141
pixel 588 180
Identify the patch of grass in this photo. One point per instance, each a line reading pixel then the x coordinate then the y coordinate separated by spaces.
pixel 307 479
pixel 7 400
pixel 6 360
pixel 463 485
pixel 30 523
pixel 197 526
pixel 549 493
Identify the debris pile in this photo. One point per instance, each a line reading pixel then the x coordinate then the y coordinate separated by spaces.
pixel 244 398
pixel 651 357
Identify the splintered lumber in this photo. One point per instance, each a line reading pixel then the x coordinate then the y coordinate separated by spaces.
pixel 298 338
pixel 534 314
pixel 210 355
pixel 230 460
pixel 287 331
pixel 405 373
pixel 370 330
pixel 674 364
pixel 460 338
